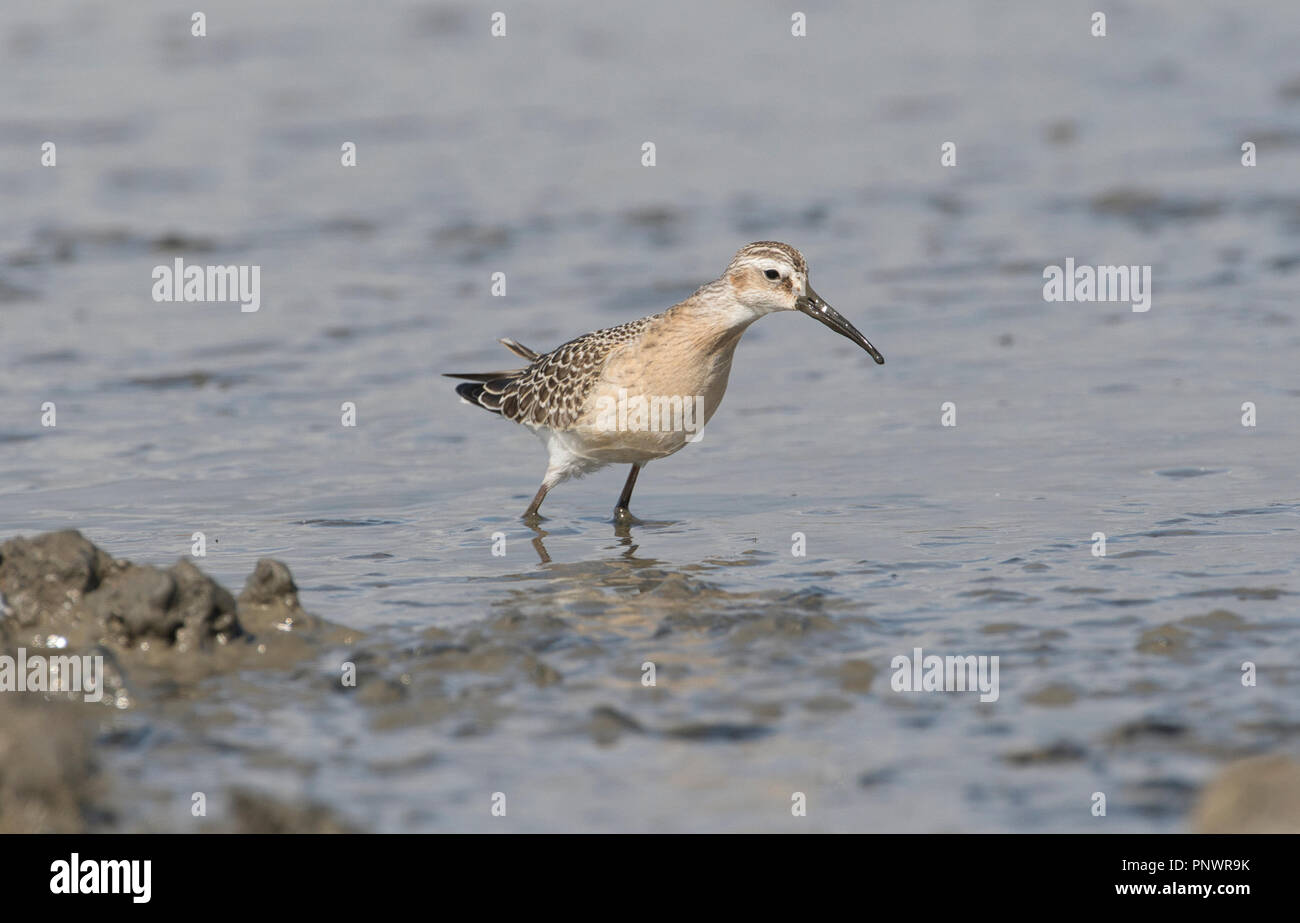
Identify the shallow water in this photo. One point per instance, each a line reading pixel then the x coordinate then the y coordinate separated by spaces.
pixel 485 673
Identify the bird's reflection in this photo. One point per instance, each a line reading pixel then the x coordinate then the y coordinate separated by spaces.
pixel 622 532
pixel 538 545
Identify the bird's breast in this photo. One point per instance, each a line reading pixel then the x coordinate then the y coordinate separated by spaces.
pixel 666 365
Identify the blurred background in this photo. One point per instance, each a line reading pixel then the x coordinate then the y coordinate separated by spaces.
pixel 522 154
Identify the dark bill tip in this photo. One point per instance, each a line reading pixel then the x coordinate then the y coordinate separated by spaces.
pixel 813 305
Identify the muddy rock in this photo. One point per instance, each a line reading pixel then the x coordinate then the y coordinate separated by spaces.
pixel 269 601
pixel 41 579
pixel 61 585
pixel 61 590
pixel 157 632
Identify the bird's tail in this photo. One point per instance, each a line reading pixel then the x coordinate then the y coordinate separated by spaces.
pixel 519 349
pixel 485 388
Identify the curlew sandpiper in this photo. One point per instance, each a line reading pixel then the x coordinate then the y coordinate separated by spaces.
pixel 673 365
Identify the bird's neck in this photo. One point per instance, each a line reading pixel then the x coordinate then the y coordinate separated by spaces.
pixel 714 314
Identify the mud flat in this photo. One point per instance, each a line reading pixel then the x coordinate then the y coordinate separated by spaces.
pixel 198 687
pixel 151 635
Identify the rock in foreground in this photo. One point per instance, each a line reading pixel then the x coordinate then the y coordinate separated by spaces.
pixel 153 634
pixel 60 591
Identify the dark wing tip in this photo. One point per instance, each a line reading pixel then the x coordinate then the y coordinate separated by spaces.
pixel 484 394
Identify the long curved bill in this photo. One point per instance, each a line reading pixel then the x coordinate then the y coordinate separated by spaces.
pixel 813 305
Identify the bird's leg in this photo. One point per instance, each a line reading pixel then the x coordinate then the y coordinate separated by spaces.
pixel 621 511
pixel 531 512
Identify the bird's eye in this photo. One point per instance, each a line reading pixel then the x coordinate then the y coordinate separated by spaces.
pixel 772 274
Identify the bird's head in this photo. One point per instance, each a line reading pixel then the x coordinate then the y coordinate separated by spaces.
pixel 768 276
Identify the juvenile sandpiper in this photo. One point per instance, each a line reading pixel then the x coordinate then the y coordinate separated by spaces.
pixel 642 390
